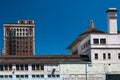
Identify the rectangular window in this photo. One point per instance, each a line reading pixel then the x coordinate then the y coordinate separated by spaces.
pixel 118 55
pixel 104 56
pixel 38 76
pixel 33 67
pixel 96 55
pixel 6 67
pixel 37 67
pixel 42 76
pixel 10 76
pixel 26 67
pixel 17 67
pixel 42 67
pixel 22 76
pixel 57 75
pixel 33 76
pixel 95 41
pixel 26 76
pixel 109 56
pixel 102 41
pixel 22 67
pixel 10 67
pixel 17 76
pixel 1 67
pixel 1 76
pixel 49 76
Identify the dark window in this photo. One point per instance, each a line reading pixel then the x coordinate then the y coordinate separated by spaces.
pixel 42 76
pixel 96 55
pixel 102 41
pixel 26 67
pixel 26 76
pixel 42 67
pixel 10 76
pixel 22 67
pixel 49 75
pixel 37 67
pixel 6 67
pixel 10 67
pixel 30 47
pixel 17 76
pixel 57 75
pixel 17 67
pixel 6 76
pixel 53 75
pixel 33 76
pixel 95 41
pixel 37 76
pixel 104 56
pixel 75 52
pixel 109 56
pixel 33 67
pixel 118 55
pixel 22 76
pixel 1 76
pixel 1 67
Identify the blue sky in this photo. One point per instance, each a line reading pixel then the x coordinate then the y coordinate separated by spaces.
pixel 57 22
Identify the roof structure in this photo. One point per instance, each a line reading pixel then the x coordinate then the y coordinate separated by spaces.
pixel 46 59
pixel 90 30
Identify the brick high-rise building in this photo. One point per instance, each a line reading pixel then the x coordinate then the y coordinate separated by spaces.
pixel 19 38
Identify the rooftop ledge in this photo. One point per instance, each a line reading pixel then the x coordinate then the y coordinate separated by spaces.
pixel 18 25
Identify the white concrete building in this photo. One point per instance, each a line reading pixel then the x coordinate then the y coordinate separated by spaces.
pixel 95 55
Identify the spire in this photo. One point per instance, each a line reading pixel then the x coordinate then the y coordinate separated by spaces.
pixel 91 24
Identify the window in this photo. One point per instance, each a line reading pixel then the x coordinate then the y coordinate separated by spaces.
pixel 109 56
pixel 17 67
pixel 22 76
pixel 96 55
pixel 10 76
pixel 33 76
pixel 17 76
pixel 26 76
pixel 26 51
pixel 42 76
pixel 1 76
pixel 104 56
pixel 26 67
pixel 42 67
pixel 37 76
pixel 37 67
pixel 1 67
pixel 30 47
pixel 49 75
pixel 33 67
pixel 10 67
pixel 102 41
pixel 54 76
pixel 118 55
pixel 95 41
pixel 6 76
pixel 6 67
pixel 57 75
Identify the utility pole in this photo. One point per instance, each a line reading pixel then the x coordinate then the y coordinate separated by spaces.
pixel 86 71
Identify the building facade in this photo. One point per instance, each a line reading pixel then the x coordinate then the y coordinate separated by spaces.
pixel 19 38
pixel 95 55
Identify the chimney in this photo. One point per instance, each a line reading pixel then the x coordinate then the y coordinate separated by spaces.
pixel 112 20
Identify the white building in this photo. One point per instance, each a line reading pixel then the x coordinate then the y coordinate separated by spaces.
pixel 95 55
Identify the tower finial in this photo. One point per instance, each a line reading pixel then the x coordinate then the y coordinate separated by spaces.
pixel 91 24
